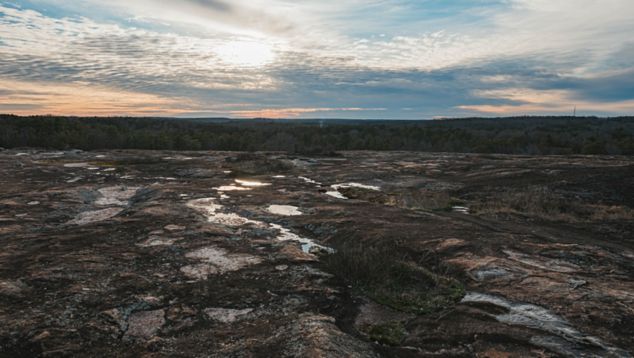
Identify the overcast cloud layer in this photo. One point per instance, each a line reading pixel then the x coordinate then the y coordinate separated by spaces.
pixel 317 58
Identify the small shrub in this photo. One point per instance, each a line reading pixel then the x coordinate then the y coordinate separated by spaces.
pixel 545 203
pixel 391 333
pixel 392 276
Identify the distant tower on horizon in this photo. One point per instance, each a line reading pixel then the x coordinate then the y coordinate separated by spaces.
pixel 574 111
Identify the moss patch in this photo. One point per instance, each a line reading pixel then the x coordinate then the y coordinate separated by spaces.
pixel 391 333
pixel 389 275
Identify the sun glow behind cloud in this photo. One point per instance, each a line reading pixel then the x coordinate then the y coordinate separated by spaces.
pixel 282 58
pixel 245 53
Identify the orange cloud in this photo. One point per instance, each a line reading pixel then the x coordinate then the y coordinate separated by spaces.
pixel 547 101
pixel 29 98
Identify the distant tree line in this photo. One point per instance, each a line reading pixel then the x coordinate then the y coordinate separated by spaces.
pixel 520 135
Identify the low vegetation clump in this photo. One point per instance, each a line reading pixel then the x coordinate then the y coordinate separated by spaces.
pixel 408 282
pixel 545 203
pixel 391 333
pixel 414 199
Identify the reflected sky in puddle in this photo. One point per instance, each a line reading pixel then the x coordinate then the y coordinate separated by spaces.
pixel 537 317
pixel 355 185
pixel 336 194
pixel 210 209
pixel 251 183
pixel 309 181
pixel 231 188
pixel 308 245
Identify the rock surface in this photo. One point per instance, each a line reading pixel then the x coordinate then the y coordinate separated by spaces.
pixel 144 253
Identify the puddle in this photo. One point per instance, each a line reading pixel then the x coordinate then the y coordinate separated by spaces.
pixel 460 209
pixel 537 317
pixel 308 245
pixel 336 194
pixel 21 154
pixel 244 185
pixel 355 185
pixel 284 210
pixel 209 208
pixel 215 260
pixel 309 181
pixel 227 315
pixel 33 203
pixel 88 217
pixel 279 176
pixel 251 183
pixel 231 188
pixel 74 180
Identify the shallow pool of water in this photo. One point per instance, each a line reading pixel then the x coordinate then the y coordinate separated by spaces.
pixel 537 317
pixel 211 210
pixel 355 185
pixel 251 183
pixel 460 209
pixel 231 188
pixel 336 194
pixel 308 245
pixel 309 181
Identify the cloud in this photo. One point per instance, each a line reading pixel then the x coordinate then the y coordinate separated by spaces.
pixel 45 98
pixel 523 101
pixel 425 59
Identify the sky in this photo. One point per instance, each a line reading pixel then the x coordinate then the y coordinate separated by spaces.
pixel 383 59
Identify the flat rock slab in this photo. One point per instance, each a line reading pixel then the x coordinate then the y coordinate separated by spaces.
pixel 215 260
pixel 145 324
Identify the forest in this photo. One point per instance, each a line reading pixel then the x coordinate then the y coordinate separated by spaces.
pixel 516 135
